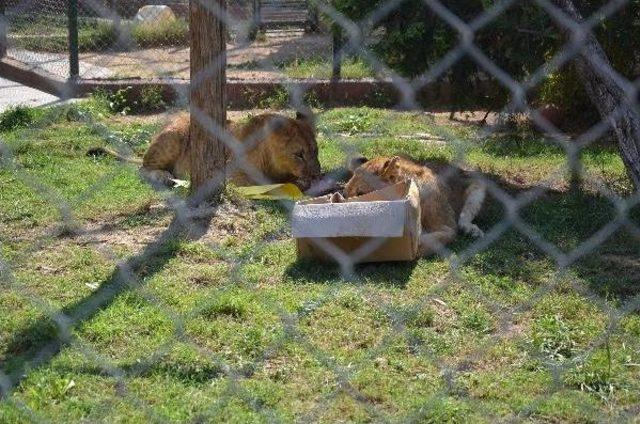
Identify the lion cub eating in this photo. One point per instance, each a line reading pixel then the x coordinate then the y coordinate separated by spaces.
pixel 449 197
pixel 282 149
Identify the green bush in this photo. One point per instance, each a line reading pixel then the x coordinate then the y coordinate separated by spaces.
pixel 94 35
pixel 18 117
pixel 151 100
pixel 52 36
pixel 174 33
pixel 127 101
pixel 564 90
pixel 278 99
pixel 97 37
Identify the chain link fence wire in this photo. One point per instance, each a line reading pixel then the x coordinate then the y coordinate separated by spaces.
pixel 447 338
pixel 37 34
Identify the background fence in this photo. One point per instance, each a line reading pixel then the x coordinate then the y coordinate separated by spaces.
pixel 112 44
pixel 127 304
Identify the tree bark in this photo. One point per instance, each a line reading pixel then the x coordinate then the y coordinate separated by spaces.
pixel 607 96
pixel 207 99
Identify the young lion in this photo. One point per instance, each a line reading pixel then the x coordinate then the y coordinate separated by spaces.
pixel 281 148
pixel 449 197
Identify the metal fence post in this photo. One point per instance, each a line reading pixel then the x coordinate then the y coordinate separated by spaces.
pixel 74 62
pixel 336 45
pixel 314 21
pixel 3 29
pixel 255 19
pixel 116 18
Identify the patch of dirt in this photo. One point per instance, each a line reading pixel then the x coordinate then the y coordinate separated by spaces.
pixel 121 232
pixel 478 361
pixel 255 61
pixel 231 220
pixel 124 232
pixel 464 118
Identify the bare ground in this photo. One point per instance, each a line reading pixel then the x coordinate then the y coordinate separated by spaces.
pixel 256 61
pixel 230 220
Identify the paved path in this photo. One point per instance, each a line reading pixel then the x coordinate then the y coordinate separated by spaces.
pixel 13 94
pixel 58 63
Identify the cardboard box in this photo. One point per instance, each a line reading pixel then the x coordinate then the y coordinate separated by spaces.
pixel 380 226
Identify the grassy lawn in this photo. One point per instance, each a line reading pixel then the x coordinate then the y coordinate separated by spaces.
pixel 231 328
pixel 352 68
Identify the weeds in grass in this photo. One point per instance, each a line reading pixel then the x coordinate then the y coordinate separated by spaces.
pixel 119 101
pixel 553 338
pixel 278 99
pixel 126 102
pixel 18 117
pixel 151 99
pixel 358 121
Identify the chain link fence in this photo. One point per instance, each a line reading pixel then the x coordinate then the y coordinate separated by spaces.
pixel 117 40
pixel 122 302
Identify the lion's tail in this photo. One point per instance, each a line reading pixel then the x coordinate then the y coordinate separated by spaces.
pixel 102 151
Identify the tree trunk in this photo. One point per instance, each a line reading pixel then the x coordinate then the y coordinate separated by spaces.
pixel 207 99
pixel 607 95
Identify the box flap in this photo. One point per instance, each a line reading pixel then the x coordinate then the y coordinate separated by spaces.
pixel 393 192
pixel 362 219
pixel 396 191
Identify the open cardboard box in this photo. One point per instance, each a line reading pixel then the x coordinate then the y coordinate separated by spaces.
pixel 380 226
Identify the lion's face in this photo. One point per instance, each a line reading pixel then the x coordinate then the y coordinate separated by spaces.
pixel 370 176
pixel 293 151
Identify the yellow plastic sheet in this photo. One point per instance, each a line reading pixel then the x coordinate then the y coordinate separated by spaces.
pixel 286 191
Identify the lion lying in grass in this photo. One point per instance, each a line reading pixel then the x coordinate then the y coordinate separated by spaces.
pixel 449 197
pixel 282 149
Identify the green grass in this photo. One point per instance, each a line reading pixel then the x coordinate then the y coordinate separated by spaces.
pixel 50 34
pixel 352 68
pixel 230 327
pixel 171 34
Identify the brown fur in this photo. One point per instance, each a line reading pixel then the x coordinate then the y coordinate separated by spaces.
pixel 282 149
pixel 449 197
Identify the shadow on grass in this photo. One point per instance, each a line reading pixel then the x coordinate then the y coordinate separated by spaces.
pixel 39 343
pixel 189 373
pixel 384 273
pixel 566 219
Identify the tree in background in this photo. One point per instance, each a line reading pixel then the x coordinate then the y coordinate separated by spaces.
pixel 613 102
pixel 519 41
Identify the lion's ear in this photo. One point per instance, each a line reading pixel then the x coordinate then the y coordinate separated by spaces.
pixel 355 162
pixel 307 116
pixel 391 164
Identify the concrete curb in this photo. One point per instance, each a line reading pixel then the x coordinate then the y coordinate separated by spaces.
pixel 250 94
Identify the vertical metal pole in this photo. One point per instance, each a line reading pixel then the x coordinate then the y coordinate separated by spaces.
pixel 255 19
pixel 4 23
pixel 74 62
pixel 116 18
pixel 314 22
pixel 336 70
